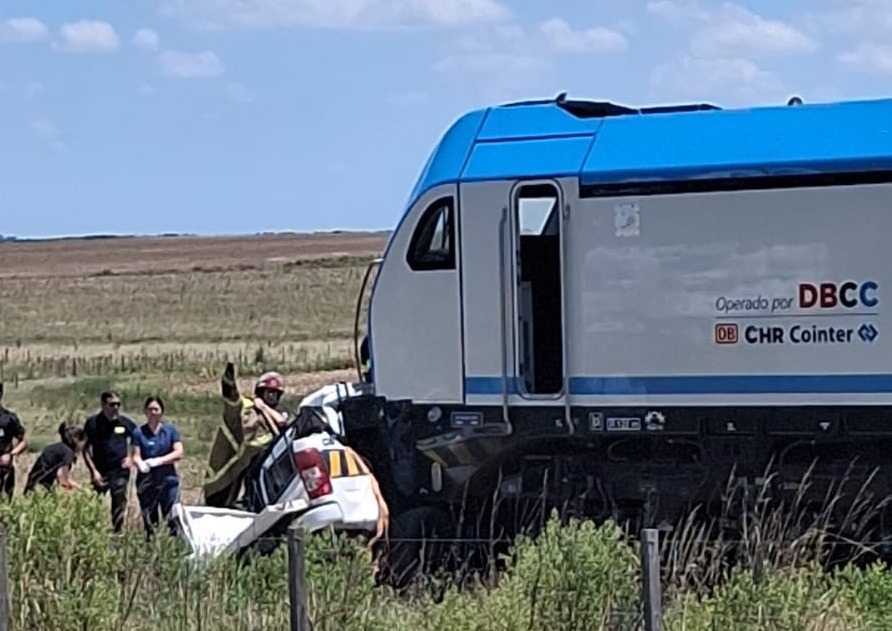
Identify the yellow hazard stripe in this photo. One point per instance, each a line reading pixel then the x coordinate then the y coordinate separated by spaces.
pixel 363 468
pixel 342 463
pixel 334 463
pixel 352 467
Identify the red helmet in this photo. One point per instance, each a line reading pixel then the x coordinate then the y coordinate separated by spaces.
pixel 270 381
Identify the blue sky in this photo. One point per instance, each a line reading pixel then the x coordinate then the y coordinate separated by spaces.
pixel 232 116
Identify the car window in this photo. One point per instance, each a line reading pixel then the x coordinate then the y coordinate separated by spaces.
pixel 279 475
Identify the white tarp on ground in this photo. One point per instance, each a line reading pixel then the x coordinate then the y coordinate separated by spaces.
pixel 211 531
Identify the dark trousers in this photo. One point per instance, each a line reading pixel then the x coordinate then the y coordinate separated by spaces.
pixel 7 480
pixel 116 484
pixel 157 496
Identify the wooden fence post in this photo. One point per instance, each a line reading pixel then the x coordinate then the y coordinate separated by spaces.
pixel 4 585
pixel 297 580
pixel 650 579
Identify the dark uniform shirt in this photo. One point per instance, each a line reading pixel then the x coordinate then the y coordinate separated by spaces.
pixel 108 441
pixel 157 445
pixel 48 463
pixel 10 428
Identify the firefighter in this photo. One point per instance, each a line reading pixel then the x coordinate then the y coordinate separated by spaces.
pixel 11 429
pixel 268 391
pixel 250 423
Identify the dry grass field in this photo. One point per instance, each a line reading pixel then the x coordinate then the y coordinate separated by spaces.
pixel 163 315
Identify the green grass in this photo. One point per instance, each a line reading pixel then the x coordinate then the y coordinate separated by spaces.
pixel 67 572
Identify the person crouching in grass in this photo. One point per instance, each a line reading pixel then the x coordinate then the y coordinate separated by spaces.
pixel 156 447
pixel 56 460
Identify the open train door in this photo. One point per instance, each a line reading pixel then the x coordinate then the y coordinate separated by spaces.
pixel 537 279
pixel 513 254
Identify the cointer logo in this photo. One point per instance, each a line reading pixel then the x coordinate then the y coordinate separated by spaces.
pixel 829 295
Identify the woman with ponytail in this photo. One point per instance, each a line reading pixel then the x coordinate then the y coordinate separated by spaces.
pixel 55 461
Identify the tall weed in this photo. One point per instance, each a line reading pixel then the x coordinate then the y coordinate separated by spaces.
pixel 68 572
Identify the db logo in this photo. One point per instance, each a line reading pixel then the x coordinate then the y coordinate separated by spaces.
pixel 726 333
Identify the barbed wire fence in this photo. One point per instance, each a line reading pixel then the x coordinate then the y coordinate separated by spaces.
pixel 297 580
pixel 647 616
pixel 651 590
pixel 4 587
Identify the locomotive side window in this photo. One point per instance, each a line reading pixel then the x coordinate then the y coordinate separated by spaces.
pixel 431 247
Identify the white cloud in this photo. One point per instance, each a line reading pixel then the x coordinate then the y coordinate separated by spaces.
pixel 742 80
pixel 508 61
pixel 731 30
pixel 146 39
pixel 504 50
pixel 597 39
pixel 868 57
pixel 734 31
pixel 496 61
pixel 88 36
pixel 188 65
pixel 239 93
pixel 354 14
pixel 145 90
pixel 677 12
pixel 723 45
pixel 863 17
pixel 22 30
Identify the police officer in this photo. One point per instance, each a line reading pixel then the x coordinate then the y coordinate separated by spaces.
pixel 108 454
pixel 11 429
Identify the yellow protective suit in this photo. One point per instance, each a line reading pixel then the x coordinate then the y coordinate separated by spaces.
pixel 244 433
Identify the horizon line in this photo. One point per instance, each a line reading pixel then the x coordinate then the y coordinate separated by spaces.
pixel 4 238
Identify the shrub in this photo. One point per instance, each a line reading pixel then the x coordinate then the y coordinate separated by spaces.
pixel 67 571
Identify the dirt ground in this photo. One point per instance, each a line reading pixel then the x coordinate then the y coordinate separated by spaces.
pixel 80 257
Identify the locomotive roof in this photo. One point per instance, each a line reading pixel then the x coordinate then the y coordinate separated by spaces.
pixel 609 145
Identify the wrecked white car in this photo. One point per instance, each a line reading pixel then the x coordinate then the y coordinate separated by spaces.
pixel 304 474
